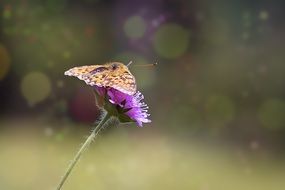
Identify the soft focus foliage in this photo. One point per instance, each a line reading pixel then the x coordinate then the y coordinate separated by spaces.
pixel 216 99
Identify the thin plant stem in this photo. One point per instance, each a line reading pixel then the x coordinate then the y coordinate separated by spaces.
pixel 91 137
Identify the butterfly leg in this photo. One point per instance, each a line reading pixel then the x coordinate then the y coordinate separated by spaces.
pixel 98 99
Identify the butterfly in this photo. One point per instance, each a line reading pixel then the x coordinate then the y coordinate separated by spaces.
pixel 110 75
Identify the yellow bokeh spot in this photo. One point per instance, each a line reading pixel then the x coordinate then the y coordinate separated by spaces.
pixel 4 62
pixel 171 40
pixel 271 114
pixel 35 87
pixel 7 14
pixel 135 27
pixel 263 15
pixel 60 84
pixel 66 54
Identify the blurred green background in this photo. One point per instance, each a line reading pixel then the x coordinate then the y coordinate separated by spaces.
pixel 216 99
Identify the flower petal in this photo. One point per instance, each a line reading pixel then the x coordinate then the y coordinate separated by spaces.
pixel 137 108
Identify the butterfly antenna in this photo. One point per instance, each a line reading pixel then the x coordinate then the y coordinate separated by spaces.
pixel 147 65
pixel 129 63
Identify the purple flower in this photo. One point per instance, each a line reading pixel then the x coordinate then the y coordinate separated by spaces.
pixel 131 106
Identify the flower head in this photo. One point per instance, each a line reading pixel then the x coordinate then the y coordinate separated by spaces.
pixel 128 107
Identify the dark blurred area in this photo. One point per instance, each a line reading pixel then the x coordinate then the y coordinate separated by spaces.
pixel 216 98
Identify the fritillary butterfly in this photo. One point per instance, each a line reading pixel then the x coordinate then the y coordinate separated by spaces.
pixel 110 75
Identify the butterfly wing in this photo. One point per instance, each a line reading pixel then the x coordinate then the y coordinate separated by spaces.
pixel 101 76
pixel 87 74
pixel 124 82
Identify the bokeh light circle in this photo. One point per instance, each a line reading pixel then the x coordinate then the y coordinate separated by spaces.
pixel 263 15
pixel 220 109
pixel 272 114
pixel 4 62
pixel 171 40
pixel 135 27
pixel 7 13
pixel 35 87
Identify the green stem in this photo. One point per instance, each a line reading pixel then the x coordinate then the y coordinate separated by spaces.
pixel 82 149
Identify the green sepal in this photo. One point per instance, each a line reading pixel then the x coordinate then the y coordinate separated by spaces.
pixel 114 110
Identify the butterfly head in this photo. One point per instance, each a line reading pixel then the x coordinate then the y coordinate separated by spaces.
pixel 116 66
pixel 109 67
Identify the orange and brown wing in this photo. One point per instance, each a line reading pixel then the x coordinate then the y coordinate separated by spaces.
pixel 101 76
pixel 124 82
pixel 88 74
